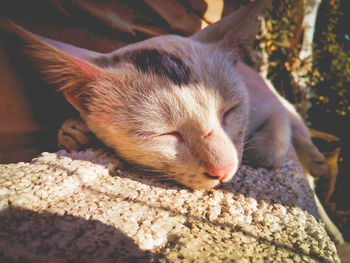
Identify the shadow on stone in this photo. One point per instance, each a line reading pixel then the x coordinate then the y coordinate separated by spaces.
pixel 28 236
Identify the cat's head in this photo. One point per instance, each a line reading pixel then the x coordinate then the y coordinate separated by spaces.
pixel 173 104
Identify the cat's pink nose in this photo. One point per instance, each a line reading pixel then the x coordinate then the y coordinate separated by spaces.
pixel 219 174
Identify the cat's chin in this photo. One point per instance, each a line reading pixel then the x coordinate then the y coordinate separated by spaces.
pixel 203 184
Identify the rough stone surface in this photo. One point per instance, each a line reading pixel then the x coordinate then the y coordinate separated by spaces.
pixel 81 207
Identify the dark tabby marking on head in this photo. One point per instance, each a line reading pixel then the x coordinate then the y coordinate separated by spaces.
pixel 103 61
pixel 152 61
pixel 162 64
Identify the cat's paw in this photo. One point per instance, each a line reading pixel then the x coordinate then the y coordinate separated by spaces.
pixel 74 135
pixel 315 162
pixel 262 151
pixel 261 158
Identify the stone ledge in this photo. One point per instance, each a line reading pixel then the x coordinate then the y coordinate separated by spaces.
pixel 79 207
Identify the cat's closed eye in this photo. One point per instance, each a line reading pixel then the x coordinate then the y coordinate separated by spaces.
pixel 228 115
pixel 172 136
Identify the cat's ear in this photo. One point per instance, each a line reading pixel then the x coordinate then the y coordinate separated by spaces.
pixel 240 27
pixel 73 76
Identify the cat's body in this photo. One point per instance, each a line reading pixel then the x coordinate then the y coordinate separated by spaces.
pixel 184 107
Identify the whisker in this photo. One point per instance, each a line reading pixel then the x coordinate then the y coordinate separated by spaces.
pixel 250 147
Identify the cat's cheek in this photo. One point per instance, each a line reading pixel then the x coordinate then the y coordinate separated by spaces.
pixel 184 155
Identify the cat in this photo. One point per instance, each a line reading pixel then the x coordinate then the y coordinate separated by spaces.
pixel 187 107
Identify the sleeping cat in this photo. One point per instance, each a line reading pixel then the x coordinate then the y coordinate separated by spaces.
pixel 185 107
pixel 189 108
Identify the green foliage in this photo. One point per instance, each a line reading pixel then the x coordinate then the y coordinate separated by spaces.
pixel 331 76
pixel 328 73
pixel 281 42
